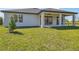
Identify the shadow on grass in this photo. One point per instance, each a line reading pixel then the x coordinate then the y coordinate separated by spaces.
pixel 58 28
pixel 66 28
pixel 16 32
pixel 27 27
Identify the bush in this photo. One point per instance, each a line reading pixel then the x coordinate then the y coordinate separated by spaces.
pixel 1 21
pixel 12 25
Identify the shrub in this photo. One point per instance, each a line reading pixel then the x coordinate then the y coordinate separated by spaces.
pixel 1 21
pixel 12 25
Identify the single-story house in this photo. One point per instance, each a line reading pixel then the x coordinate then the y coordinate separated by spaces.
pixel 46 17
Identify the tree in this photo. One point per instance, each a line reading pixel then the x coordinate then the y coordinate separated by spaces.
pixel 1 20
pixel 11 25
pixel 15 18
pixel 77 22
pixel 67 22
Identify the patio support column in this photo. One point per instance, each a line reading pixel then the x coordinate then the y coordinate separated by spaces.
pixel 42 20
pixel 73 20
pixel 60 19
pixel 63 17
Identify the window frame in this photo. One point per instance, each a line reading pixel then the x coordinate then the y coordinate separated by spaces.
pixel 19 18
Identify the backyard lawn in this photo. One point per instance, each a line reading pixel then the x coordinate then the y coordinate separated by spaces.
pixel 40 39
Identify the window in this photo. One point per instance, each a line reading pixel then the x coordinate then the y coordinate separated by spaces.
pixel 62 20
pixel 18 18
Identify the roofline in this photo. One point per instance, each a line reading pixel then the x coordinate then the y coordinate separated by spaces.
pixel 60 12
pixel 39 12
pixel 18 12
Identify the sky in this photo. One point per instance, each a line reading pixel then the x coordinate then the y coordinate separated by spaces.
pixel 66 9
pixel 72 10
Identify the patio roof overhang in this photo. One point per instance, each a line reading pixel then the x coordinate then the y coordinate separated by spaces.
pixel 60 12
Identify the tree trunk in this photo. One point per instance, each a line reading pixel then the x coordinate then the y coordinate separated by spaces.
pixel 10 30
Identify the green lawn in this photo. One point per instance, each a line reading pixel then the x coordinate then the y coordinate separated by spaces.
pixel 40 39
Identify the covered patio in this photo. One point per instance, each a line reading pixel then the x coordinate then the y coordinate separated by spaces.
pixel 54 19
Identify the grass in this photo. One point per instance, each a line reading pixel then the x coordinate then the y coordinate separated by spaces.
pixel 40 39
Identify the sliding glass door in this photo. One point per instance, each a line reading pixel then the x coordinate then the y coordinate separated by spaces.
pixel 48 20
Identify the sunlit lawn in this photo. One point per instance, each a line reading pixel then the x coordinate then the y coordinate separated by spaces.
pixel 36 39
